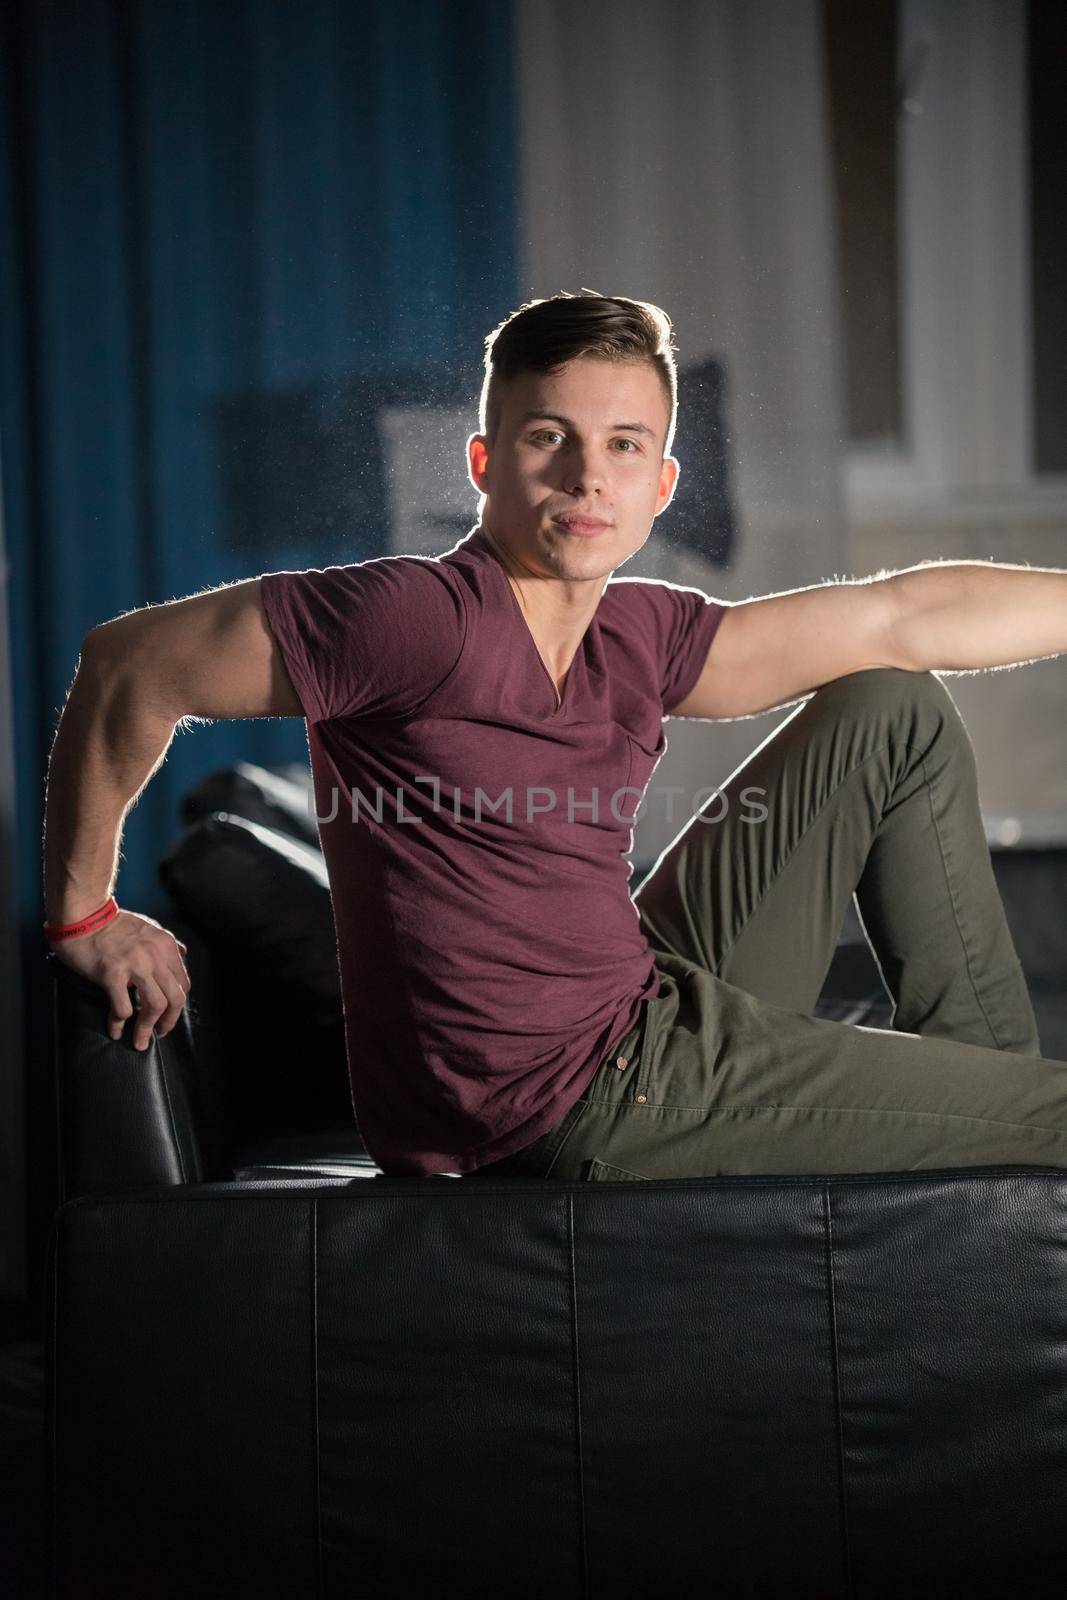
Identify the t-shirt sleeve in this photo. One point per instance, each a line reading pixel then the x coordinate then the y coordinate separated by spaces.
pixel 694 622
pixel 370 640
pixel 679 625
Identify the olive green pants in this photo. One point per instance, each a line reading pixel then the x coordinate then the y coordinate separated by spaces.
pixel 868 788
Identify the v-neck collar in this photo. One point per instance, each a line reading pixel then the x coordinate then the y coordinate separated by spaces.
pixel 561 701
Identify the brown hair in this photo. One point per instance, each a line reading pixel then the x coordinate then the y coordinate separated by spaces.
pixel 545 334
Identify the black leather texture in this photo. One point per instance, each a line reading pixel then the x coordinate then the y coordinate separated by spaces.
pixel 260 903
pixel 128 1117
pixel 258 895
pixel 273 1372
pixel 220 1097
pixel 853 1388
pixel 280 798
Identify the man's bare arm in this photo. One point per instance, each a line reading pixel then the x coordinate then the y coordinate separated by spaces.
pixel 768 653
pixel 978 616
pixel 209 656
pixel 951 616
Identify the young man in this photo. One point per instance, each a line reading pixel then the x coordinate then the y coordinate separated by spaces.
pixel 480 728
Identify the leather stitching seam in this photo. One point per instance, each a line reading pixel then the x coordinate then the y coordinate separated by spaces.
pixel 835 1371
pixel 582 1548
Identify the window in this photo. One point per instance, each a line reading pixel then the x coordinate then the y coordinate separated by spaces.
pixel 1047 156
pixel 861 77
pixel 947 133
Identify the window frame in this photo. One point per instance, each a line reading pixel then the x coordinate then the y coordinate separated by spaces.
pixel 966 447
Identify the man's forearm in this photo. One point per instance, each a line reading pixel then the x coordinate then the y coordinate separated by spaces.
pixel 960 616
pixel 107 746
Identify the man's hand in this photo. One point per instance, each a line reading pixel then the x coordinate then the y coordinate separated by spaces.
pixel 132 951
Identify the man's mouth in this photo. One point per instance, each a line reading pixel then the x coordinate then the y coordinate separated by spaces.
pixel 582 527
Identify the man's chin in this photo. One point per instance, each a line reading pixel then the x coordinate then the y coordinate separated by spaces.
pixel 585 566
pixel 586 556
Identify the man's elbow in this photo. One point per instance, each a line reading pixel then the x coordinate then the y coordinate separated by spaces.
pixel 120 668
pixel 101 658
pixel 106 660
pixel 108 644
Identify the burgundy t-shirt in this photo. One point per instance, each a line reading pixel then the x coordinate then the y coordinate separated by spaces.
pixel 489 951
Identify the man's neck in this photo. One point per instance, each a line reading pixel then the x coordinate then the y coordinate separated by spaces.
pixel 556 611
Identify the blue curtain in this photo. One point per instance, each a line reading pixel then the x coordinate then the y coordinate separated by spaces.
pixel 228 229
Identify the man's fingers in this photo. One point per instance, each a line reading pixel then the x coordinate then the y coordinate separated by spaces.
pixel 152 1003
pixel 175 982
pixel 162 999
pixel 121 1009
pixel 174 954
pixel 152 964
pixel 175 1001
pixel 172 970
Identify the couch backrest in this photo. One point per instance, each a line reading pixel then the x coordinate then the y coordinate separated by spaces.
pixel 850 1387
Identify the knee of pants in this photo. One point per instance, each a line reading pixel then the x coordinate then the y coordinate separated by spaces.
pixel 919 701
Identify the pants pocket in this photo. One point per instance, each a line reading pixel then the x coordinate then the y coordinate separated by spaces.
pixel 598 1171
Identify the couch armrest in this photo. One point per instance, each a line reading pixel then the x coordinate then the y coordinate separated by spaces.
pixel 127 1118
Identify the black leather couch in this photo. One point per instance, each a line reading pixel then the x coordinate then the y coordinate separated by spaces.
pixel 253 1083
pixel 270 1376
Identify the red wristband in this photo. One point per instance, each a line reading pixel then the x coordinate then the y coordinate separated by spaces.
pixel 90 924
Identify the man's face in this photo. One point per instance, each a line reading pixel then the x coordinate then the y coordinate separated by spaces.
pixel 576 473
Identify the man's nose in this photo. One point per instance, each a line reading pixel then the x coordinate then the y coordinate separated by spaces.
pixel 583 472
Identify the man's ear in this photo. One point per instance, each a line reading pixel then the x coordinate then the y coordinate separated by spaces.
pixel 477 461
pixel 668 482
